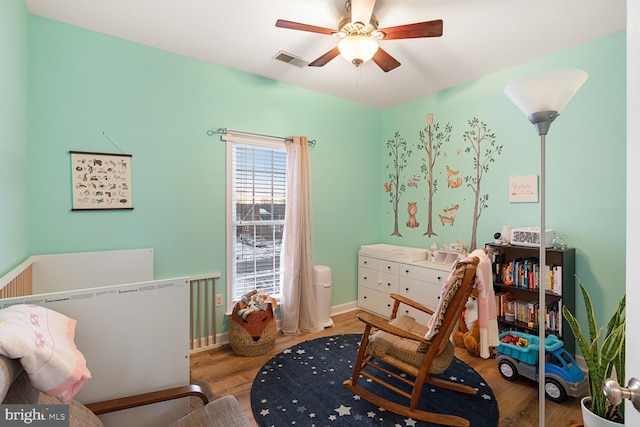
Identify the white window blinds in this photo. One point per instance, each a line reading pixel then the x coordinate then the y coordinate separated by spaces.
pixel 255 209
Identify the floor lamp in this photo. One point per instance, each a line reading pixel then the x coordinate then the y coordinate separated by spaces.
pixel 541 96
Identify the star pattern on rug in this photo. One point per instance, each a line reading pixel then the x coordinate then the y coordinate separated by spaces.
pixel 297 386
pixel 344 410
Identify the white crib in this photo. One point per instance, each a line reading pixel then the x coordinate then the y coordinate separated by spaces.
pixel 133 331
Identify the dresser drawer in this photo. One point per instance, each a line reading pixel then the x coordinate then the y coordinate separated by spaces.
pixel 378 264
pixel 426 293
pixel 425 274
pixel 374 279
pixel 376 302
pixel 388 283
pixel 368 278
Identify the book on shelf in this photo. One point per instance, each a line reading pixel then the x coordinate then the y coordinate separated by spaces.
pixel 556 280
pixel 525 274
pixel 528 312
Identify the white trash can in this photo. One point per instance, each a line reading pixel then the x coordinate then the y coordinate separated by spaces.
pixel 322 289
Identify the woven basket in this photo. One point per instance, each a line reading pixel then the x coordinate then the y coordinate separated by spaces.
pixel 254 335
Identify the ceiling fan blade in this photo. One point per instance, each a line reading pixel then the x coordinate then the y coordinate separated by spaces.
pixel 324 59
pixel 385 61
pixel 413 31
pixel 361 10
pixel 281 23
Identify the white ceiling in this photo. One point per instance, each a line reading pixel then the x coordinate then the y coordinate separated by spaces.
pixel 479 37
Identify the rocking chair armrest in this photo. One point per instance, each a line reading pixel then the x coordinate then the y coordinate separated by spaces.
pixel 128 402
pixel 383 325
pixel 411 303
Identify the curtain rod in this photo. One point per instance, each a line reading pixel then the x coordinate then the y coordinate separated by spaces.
pixel 223 131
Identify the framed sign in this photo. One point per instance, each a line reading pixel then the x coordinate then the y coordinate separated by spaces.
pixel 523 188
pixel 100 181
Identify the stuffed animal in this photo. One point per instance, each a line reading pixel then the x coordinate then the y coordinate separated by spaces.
pixel 468 333
pixel 253 328
pixel 255 301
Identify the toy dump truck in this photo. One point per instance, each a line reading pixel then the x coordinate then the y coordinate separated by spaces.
pixel 518 355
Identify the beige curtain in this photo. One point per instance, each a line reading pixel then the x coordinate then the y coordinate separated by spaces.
pixel 299 308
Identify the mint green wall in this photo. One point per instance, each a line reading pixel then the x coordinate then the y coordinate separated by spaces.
pixel 13 134
pixel 585 164
pixel 158 106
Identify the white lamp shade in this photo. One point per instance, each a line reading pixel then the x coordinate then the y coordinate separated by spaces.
pixel 545 91
pixel 358 49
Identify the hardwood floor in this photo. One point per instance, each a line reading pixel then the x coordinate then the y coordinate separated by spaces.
pixel 227 373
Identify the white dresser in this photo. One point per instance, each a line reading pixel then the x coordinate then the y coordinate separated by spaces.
pixel 385 269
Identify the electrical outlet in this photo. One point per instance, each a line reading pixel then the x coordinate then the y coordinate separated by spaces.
pixel 219 300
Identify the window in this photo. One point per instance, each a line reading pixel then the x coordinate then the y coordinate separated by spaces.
pixel 256 193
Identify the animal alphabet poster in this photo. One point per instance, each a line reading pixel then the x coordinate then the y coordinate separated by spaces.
pixel 100 181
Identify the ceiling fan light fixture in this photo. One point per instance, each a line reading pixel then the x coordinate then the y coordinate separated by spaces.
pixel 358 49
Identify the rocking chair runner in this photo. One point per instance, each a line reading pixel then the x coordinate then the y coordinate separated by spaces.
pixel 414 349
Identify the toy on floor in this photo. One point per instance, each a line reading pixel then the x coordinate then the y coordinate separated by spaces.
pixel 517 355
pixel 515 340
pixel 468 333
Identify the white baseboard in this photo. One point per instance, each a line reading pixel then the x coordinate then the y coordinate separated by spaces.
pixel 344 308
pixel 221 339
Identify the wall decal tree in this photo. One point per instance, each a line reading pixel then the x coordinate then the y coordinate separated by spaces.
pixel 431 139
pixel 399 155
pixel 478 135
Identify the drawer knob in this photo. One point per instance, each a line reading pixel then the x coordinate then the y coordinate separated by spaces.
pixel 388 267
pixel 439 278
pixel 406 271
pixel 388 284
pixel 365 277
pixel 406 289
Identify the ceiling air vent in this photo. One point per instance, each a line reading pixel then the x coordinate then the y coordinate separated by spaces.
pixel 290 59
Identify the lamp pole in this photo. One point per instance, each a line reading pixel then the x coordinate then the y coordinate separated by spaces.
pixel 541 96
pixel 542 121
pixel 542 285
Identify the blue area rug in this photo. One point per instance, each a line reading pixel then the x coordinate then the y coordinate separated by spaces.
pixel 303 386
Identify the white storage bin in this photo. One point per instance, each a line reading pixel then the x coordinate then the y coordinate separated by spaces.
pixel 322 289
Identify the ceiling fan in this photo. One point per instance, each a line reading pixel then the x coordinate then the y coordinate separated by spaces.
pixel 359 34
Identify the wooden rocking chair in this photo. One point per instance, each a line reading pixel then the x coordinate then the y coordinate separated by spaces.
pixel 413 349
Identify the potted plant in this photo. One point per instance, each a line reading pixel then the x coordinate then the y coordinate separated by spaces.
pixel 602 353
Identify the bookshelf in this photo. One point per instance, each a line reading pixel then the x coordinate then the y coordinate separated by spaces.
pixel 516 277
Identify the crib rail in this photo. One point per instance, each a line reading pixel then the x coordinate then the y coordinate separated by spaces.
pixel 18 282
pixel 203 312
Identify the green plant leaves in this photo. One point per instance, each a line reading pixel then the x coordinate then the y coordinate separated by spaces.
pixel 601 354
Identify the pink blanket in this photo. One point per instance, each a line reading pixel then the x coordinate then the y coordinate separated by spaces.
pixel 43 340
pixel 489 336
